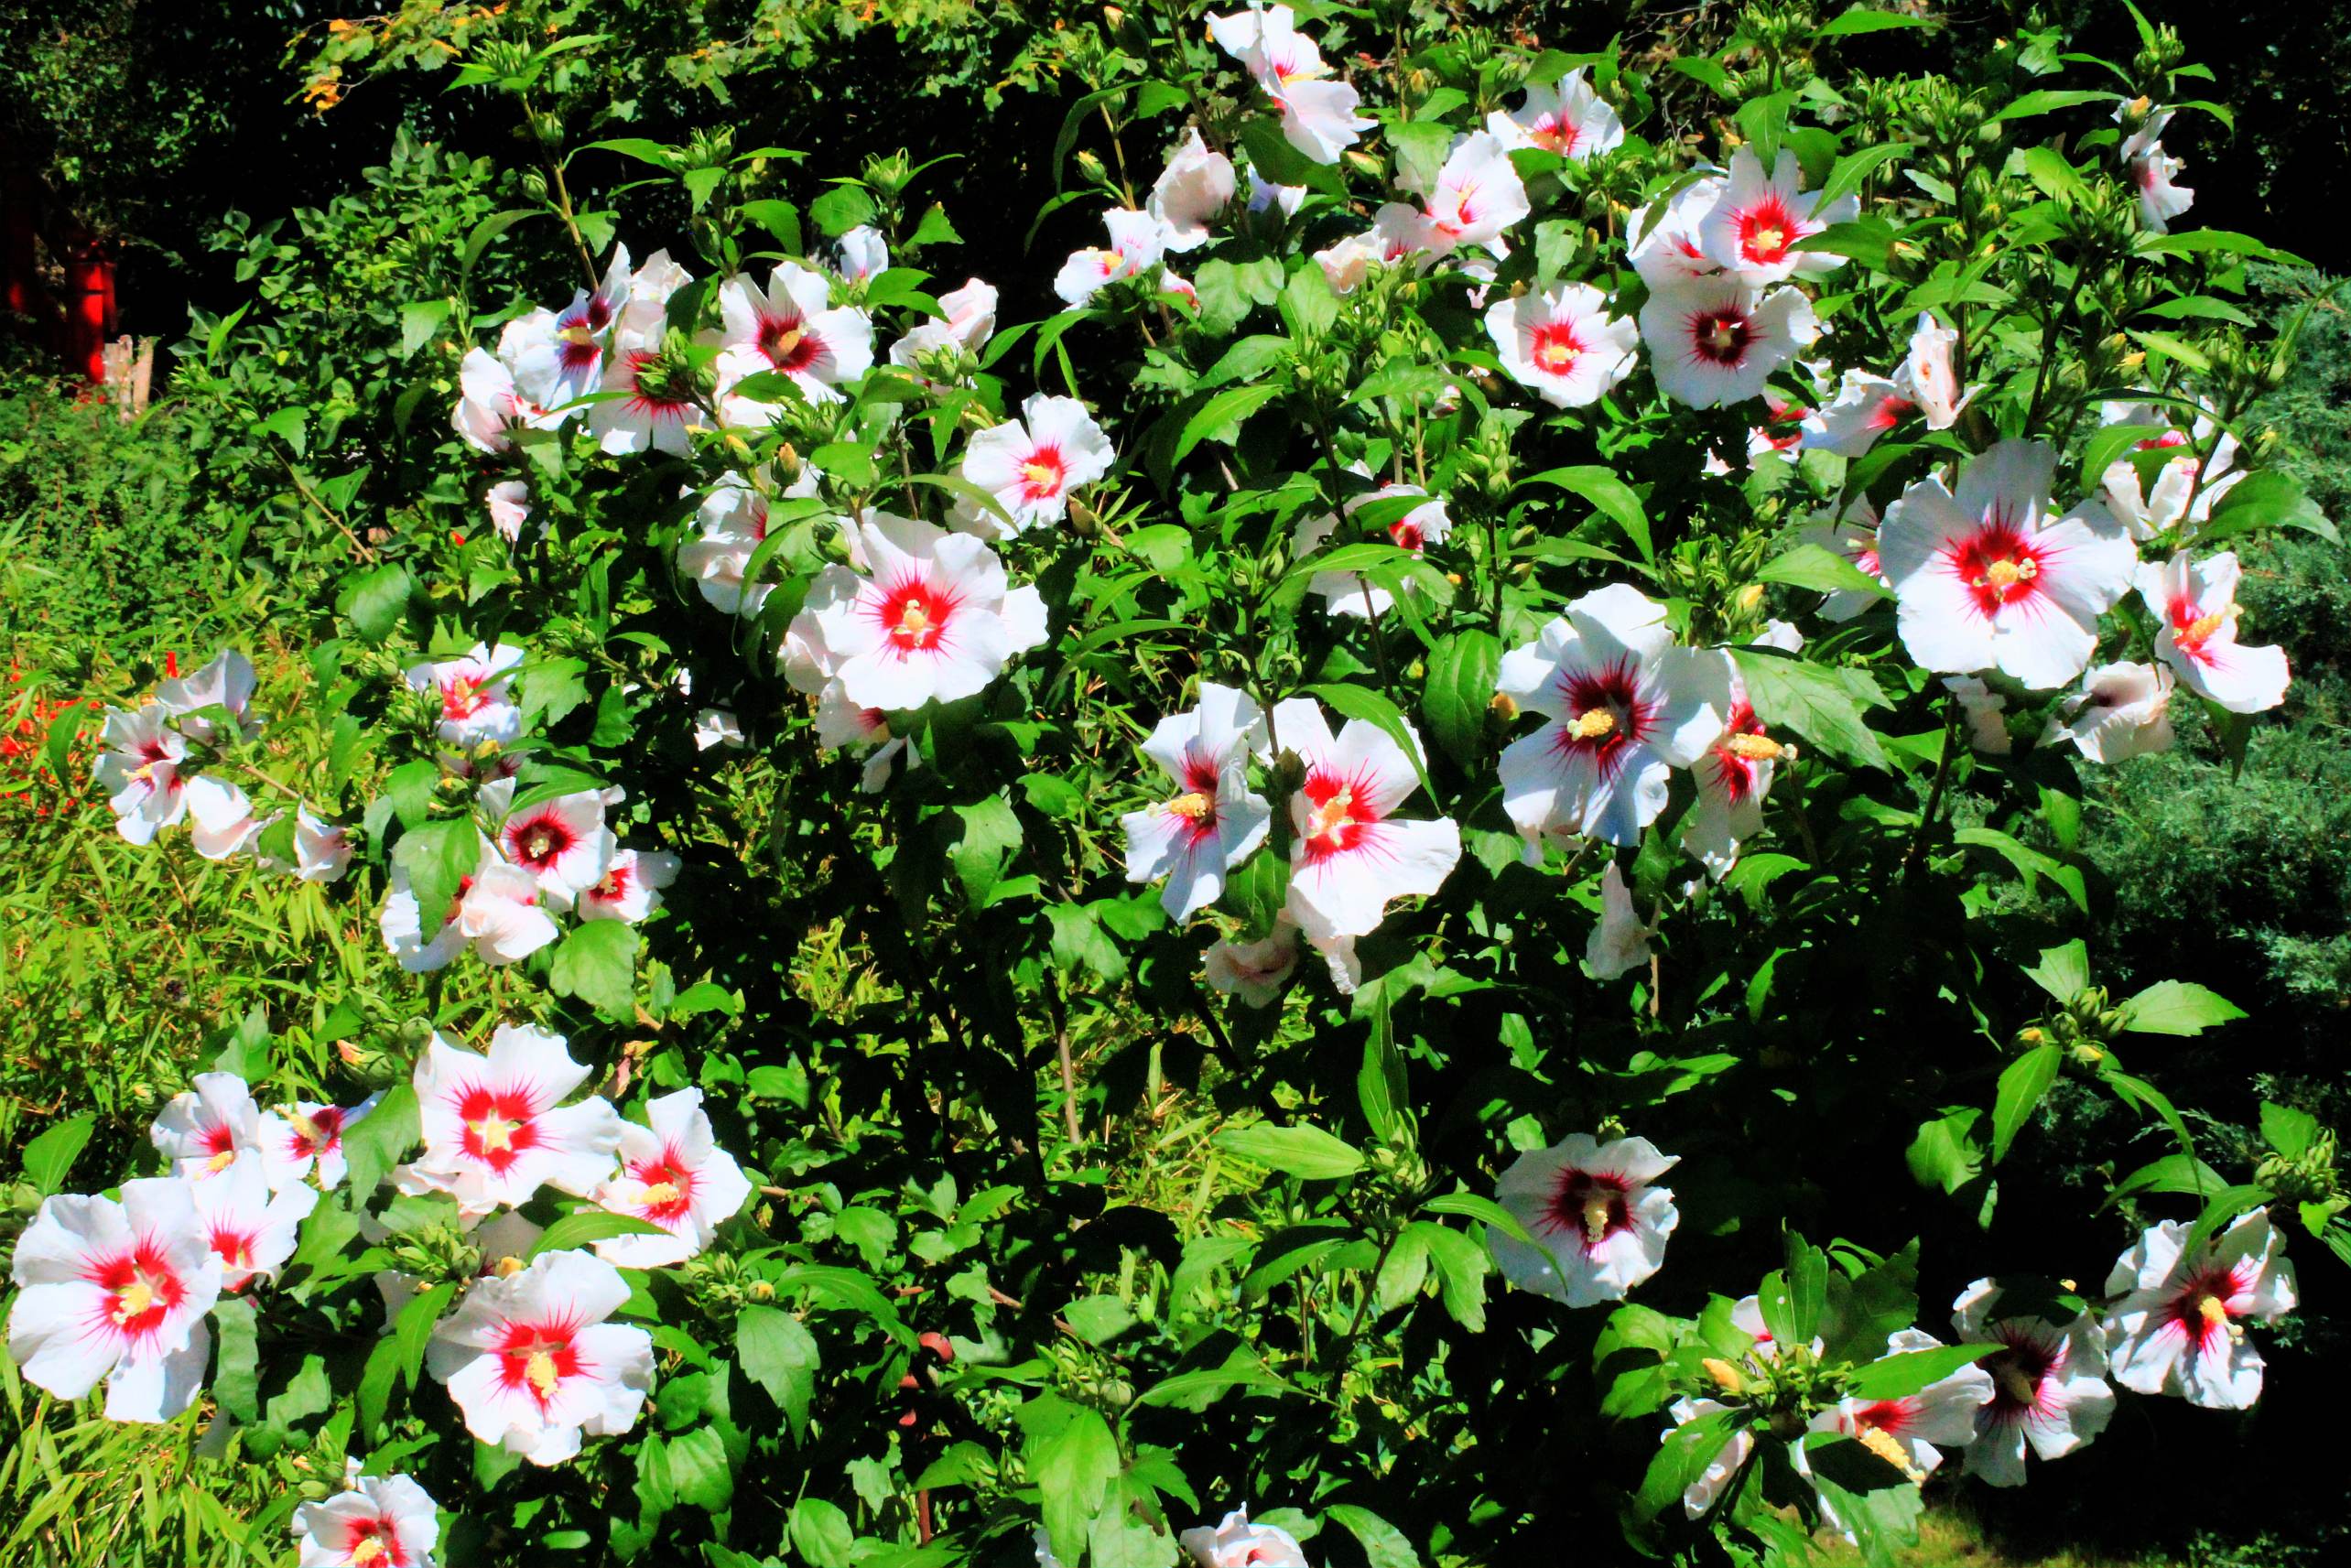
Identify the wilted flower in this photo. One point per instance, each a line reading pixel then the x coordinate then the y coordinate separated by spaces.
pixel 969 321
pixel 322 850
pixel 509 505
pixel 1734 774
pixel 864 253
pixel 1195 186
pixel 1926 376
pixel 1256 971
pixel 2123 710
pixel 138 768
pixel 225 685
pixel 1985 711
pixel 1318 115
pixel 1598 1223
pixel 1619 942
pixel 221 823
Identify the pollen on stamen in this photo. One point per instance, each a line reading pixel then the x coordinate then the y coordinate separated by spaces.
pixel 1882 1444
pixel 1593 723
pixel 1192 806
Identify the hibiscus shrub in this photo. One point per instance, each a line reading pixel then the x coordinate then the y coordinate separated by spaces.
pixel 1392 869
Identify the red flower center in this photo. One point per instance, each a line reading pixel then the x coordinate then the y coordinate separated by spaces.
pixel 141 1286
pixel 1339 810
pixel 1555 348
pixel 1590 1206
pixel 2201 1307
pixel 1044 474
pixel 234 1247
pixel 668 1188
pixel 464 696
pixel 536 1357
pixel 499 1125
pixel 1999 566
pixel 318 1132
pixel 1890 412
pixel 914 616
pixel 1765 231
pixel 1721 336
pixel 787 342
pixel 373 1542
pixel 1555 133
pixel 1606 714
pixel 538 841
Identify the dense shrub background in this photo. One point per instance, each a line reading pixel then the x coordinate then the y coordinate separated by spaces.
pixel 124 542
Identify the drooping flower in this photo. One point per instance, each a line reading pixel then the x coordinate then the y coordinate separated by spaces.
pixel 1619 942
pixel 1867 407
pixel 2048 1387
pixel 495 1128
pixel 204 1128
pixel 139 767
pixel 2123 710
pixel 1854 536
pixel 653 409
pixel 251 1229
pixel 1736 773
pixel 2159 201
pixel 474 705
pixel 841 724
pixel 386 1523
pixel 1713 340
pixel 562 843
pixel 1265 197
pixel 1753 229
pixel 490 406
pixel 1351 855
pixel 220 820
pixel 499 910
pixel 224 685
pixel 1564 117
pixel 1564 343
pixel 118 1291
pixel 1318 115
pixel 509 505
pixel 1256 971
pixel 673 1174
pixel 322 850
pixel 969 322
pixel 1985 711
pixel 1214 821
pixel 1031 464
pixel 1478 195
pixel 630 886
pixel 1699 1495
pixel 864 253
pixel 2194 604
pixel 1599 1221
pixel 533 1364
pixel 932 618
pixel 2191 483
pixel 1195 186
pixel 734 519
pixel 2178 1327
pixel 1138 239
pixel 717 726
pixel 1926 376
pixel 1623 707
pixel 792 327
pixel 1352 593
pixel 1398 233
pixel 303 1137
pixel 1663 241
pixel 1987 579
pixel 1782 432
pixel 1233 1541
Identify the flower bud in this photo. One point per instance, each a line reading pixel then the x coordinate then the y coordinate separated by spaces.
pixel 1725 1375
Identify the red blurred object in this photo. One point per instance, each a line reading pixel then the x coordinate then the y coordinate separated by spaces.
pixel 89 306
pixel 171 664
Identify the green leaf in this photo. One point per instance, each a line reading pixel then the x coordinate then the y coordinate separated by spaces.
pixel 1073 1469
pixel 236 1376
pixel 1221 416
pixel 2289 1132
pixel 50 1156
pixel 1379 1084
pixel 1610 495
pixel 2064 971
pixel 1822 571
pixel 700 1476
pixel 412 1331
pixel 2270 499
pixel 1362 702
pixel 1471 1207
pixel 2048 102
pixel 1098 1320
pixel 2031 864
pixel 583 1226
pixel 596 961
pixel 821 1533
pixel 2022 1084
pixel 1861 19
pixel 438 857
pixel 376 600
pixel 991 836
pixel 1458 692
pixel 1308 307
pixel 1945 1154
pixel 1384 1546
pixel 779 218
pixel 489 229
pixel 1822 703
pixel 842 209
pixel 1185 1389
pixel 1681 1458
pixel 2177 1006
pixel 1305 1152
pixel 1893 1376
pixel 419 319
pixel 2171 1173
pixel 381 1139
